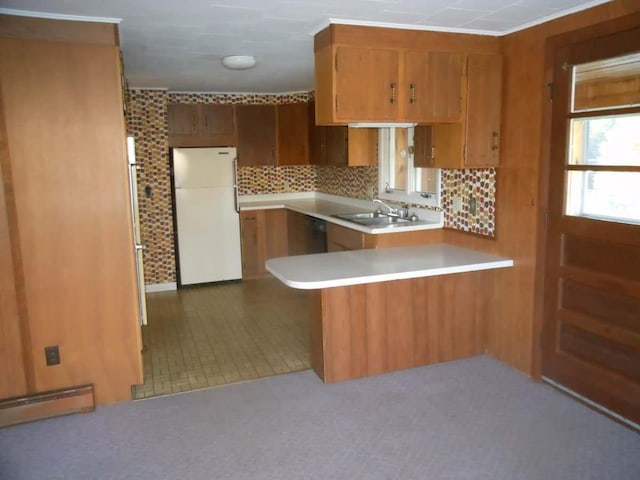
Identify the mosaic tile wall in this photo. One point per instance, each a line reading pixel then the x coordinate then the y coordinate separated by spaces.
pixel 147 122
pixel 256 180
pixel 354 182
pixel 240 98
pixel 481 183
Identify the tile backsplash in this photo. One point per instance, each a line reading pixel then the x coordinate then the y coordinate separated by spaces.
pixel 268 179
pixel 147 121
pixel 479 183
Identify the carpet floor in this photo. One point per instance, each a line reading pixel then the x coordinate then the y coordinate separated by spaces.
pixel 469 419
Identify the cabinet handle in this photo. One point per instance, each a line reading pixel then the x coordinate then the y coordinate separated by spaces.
pixel 433 153
pixel 393 93
pixel 496 141
pixel 412 97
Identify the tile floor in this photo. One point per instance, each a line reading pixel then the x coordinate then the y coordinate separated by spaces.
pixel 199 337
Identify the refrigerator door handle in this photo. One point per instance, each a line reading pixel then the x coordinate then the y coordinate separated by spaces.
pixel 235 185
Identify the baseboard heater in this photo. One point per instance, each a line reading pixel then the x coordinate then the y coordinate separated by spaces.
pixel 44 405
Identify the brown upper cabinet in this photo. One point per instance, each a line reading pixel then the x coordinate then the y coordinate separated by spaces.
pixel 293 133
pixel 256 127
pixel 475 141
pixel 370 84
pixel 344 147
pixel 200 125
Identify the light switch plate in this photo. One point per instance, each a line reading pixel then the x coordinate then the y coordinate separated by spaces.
pixel 457 204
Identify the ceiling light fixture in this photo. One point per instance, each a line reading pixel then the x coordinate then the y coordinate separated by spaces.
pixel 239 62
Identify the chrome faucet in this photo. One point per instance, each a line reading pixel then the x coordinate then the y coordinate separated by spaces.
pixel 401 212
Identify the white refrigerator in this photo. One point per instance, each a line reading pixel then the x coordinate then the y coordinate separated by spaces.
pixel 207 219
pixel 137 237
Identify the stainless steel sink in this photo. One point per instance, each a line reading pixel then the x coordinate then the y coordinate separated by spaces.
pixel 372 219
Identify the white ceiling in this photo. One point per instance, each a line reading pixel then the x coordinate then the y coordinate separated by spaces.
pixel 178 44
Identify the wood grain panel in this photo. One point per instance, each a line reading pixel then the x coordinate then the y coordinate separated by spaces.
pixel 337 331
pixel 381 327
pixel 359 341
pixel 421 330
pixel 400 334
pixel 293 133
pixel 402 38
pixel 66 134
pixel 14 328
pixel 316 333
pixel 618 260
pixel 256 132
pixel 376 299
pixel 32 28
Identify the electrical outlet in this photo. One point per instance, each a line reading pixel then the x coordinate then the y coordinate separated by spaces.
pixel 52 355
pixel 457 204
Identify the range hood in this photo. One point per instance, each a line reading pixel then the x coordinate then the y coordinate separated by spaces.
pixel 382 124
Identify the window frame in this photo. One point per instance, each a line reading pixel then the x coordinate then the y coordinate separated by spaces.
pixel 409 194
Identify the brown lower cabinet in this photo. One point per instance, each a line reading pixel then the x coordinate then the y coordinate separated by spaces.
pixel 263 236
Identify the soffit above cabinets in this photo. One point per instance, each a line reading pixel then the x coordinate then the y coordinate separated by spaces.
pixel 179 45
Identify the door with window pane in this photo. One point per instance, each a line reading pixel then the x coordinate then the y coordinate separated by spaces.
pixel 591 327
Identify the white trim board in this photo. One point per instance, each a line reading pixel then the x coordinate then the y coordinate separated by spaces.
pixel 160 287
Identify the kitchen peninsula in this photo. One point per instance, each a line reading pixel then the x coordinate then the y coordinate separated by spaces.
pixel 380 310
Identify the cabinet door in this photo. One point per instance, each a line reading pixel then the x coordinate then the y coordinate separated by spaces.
pixel 293 134
pixel 216 121
pixel 362 148
pixel 276 235
pixel 253 252
pixel 484 93
pixel 366 84
pixel 298 233
pixel 183 119
pixel 256 127
pixel 433 83
pixel 336 145
pixel 340 238
pixel 423 149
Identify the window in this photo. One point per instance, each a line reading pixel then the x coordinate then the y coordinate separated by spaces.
pixel 398 179
pixel 603 171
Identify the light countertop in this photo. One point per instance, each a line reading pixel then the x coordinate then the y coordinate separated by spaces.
pixel 337 269
pixel 323 208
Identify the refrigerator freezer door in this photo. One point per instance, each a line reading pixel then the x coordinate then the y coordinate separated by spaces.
pixel 203 167
pixel 208 235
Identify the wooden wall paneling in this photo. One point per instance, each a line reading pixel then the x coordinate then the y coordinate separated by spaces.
pixel 521 182
pixel 365 330
pixel 377 361
pixel 433 309
pixel 16 369
pixel 316 334
pixel 358 306
pixel 337 330
pixel 400 328
pixel 421 333
pixel 465 294
pixel 446 319
pixel 67 140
